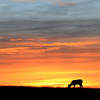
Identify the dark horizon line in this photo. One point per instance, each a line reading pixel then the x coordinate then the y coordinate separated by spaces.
pixel 46 87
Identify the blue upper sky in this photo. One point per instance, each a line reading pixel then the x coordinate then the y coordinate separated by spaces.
pixel 50 17
pixel 49 10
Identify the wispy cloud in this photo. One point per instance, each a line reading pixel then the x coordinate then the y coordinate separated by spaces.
pixel 69 28
pixel 24 0
pixel 39 48
pixel 3 5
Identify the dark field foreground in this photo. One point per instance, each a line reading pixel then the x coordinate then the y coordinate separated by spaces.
pixel 50 93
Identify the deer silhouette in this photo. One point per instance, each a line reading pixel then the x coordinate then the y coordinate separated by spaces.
pixel 76 82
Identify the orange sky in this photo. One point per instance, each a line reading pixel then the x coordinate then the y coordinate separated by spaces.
pixel 49 61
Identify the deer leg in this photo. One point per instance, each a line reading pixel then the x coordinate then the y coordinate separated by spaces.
pixel 74 86
pixel 81 86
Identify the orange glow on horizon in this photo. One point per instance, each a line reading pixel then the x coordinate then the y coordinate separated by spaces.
pixel 36 62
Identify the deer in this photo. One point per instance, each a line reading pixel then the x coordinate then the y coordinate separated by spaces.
pixel 76 82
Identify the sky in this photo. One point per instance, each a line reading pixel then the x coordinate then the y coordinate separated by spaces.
pixel 49 42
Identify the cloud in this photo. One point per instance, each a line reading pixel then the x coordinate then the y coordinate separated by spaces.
pixel 29 48
pixel 24 0
pixel 86 43
pixel 4 5
pixel 67 27
pixel 54 2
pixel 62 3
